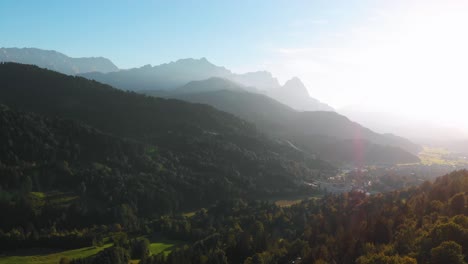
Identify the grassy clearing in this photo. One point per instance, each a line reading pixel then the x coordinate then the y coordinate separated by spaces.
pixel 439 156
pixel 38 195
pixel 189 214
pixel 163 247
pixel 44 256
pixel 56 199
pixel 48 256
pixel 287 203
pixel 292 201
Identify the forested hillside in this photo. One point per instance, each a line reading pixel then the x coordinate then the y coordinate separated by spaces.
pixel 84 164
pixel 427 224
pixel 155 157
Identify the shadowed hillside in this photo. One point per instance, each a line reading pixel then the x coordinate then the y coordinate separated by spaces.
pixel 323 133
pixel 153 155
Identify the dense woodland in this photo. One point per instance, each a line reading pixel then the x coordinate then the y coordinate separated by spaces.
pixel 106 175
pixel 425 224
pixel 84 164
pixel 155 157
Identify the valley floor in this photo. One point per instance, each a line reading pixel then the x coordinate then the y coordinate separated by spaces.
pixel 47 256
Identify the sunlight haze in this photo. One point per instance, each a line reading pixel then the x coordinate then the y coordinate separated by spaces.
pixel 400 57
pixel 408 59
pixel 234 131
pixel 368 54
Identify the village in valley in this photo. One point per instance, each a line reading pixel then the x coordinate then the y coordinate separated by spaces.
pixel 384 178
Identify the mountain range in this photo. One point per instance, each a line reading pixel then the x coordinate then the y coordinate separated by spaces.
pixel 170 76
pixel 256 97
pixel 166 76
pixel 56 61
pixel 83 163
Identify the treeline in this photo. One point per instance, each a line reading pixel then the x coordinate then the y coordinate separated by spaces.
pixel 121 252
pixel 19 238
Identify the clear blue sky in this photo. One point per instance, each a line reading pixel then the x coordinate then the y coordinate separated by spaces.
pixel 134 33
pixel 371 53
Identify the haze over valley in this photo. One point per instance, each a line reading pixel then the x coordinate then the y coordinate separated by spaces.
pixel 278 132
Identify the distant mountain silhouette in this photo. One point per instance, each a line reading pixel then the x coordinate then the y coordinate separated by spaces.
pixel 56 61
pixel 162 77
pixel 323 133
pixel 176 74
pixel 295 94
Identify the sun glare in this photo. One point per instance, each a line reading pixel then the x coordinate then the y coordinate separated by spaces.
pixel 414 54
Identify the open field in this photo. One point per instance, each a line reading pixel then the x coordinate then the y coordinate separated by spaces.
pixel 287 202
pixel 47 256
pixel 163 246
pixel 439 156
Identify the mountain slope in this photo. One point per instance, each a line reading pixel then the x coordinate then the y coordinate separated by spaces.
pixel 316 131
pixel 209 85
pixel 111 110
pixel 102 172
pixel 200 153
pixel 56 61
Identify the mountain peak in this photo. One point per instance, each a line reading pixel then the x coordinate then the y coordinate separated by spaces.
pixel 296 87
pixel 295 94
pixel 202 60
pixel 294 80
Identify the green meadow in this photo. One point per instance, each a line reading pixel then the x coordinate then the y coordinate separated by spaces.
pixel 46 256
pixel 43 256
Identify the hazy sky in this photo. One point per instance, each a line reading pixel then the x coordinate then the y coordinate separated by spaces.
pixel 402 56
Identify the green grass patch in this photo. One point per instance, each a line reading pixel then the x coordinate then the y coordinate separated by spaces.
pixel 56 199
pixel 287 203
pixel 189 214
pixel 46 256
pixel 290 201
pixel 38 195
pixel 165 247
